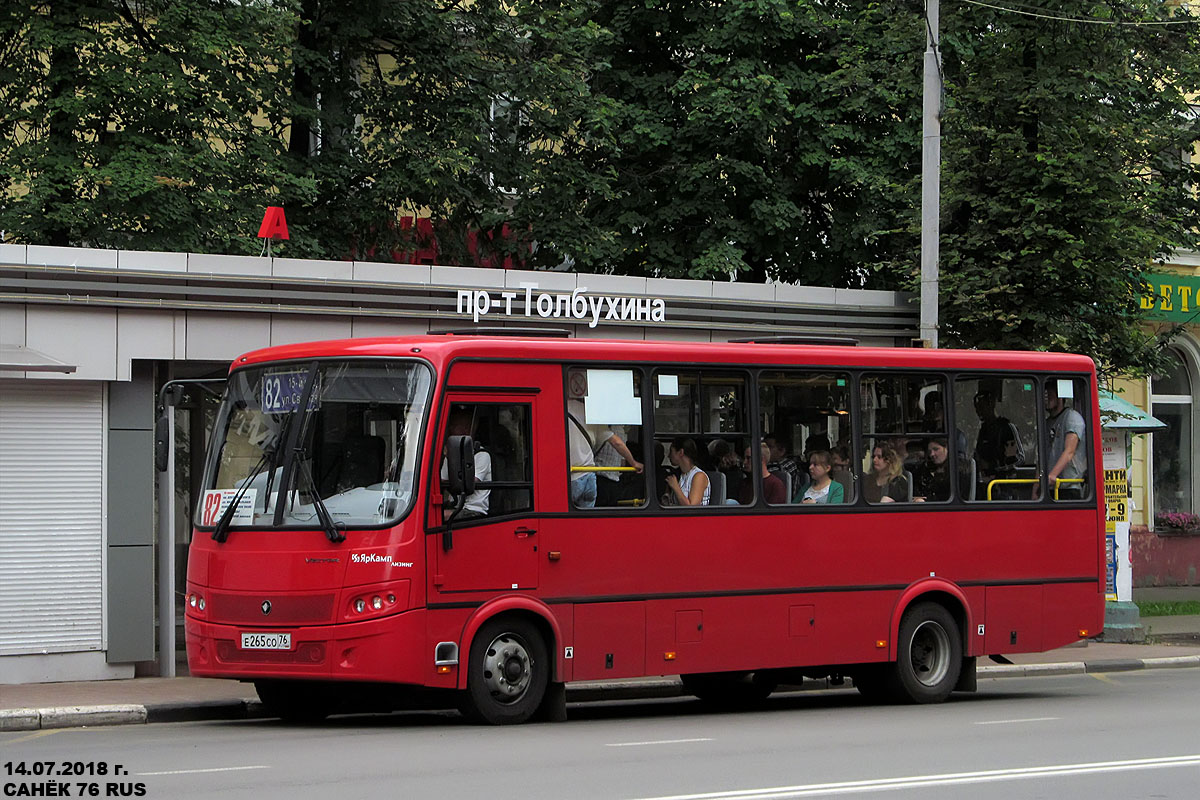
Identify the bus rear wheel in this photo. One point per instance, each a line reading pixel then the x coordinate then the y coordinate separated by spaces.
pixel 929 655
pixel 296 701
pixel 730 689
pixel 508 672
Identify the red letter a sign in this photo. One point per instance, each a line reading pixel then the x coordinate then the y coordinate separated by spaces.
pixel 274 226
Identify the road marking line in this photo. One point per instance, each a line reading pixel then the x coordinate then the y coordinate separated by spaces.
pixel 949 779
pixel 660 741
pixel 198 771
pixel 34 735
pixel 1104 678
pixel 1014 721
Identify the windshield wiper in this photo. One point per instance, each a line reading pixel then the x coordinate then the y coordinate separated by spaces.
pixel 221 529
pixel 332 529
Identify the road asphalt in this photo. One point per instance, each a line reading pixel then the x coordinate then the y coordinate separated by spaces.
pixel 1173 642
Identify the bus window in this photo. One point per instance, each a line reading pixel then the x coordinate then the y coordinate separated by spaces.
pixel 807 420
pixel 503 457
pixel 910 453
pixel 605 438
pixel 707 409
pixel 999 417
pixel 1066 403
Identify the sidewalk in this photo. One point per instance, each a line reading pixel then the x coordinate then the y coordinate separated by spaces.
pixel 65 705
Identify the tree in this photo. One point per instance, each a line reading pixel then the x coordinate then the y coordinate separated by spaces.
pixel 134 125
pixel 1064 175
pixel 771 139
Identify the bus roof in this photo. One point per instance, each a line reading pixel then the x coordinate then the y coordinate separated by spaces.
pixel 442 349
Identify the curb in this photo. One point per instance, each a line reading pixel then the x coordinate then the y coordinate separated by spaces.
pixel 32 719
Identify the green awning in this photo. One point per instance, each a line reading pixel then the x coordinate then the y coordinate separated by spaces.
pixel 1118 414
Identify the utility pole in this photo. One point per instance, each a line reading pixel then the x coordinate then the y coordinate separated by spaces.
pixel 931 174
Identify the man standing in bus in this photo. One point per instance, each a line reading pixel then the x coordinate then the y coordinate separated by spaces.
pixel 476 503
pixel 1068 458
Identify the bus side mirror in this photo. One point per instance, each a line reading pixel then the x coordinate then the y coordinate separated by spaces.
pixel 460 464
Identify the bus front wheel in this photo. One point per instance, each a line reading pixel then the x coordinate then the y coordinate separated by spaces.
pixel 508 672
pixel 929 655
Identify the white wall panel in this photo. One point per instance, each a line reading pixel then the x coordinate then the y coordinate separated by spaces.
pixel 223 337
pixel 291 328
pixel 143 334
pixel 85 337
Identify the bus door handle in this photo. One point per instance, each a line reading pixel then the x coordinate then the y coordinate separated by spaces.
pixel 524 533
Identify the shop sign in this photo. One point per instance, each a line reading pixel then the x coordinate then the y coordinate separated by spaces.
pixel 576 305
pixel 1175 298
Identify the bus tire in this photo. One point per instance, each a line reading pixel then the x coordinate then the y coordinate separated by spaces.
pixel 507 672
pixel 296 702
pixel 730 689
pixel 929 655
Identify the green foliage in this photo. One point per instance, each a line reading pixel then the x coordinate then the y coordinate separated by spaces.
pixel 134 126
pixel 1165 608
pixel 734 137
pixel 1063 179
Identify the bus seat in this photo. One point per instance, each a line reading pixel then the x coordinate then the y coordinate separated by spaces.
pixel 716 482
pixel 973 475
pixel 908 477
pixel 786 477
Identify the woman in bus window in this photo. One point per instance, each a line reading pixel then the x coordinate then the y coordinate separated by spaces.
pixel 823 488
pixel 690 487
pixel 933 478
pixel 886 482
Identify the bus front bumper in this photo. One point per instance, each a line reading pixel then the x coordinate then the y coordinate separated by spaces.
pixel 391 649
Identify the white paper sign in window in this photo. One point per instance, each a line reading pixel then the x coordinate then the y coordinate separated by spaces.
pixel 668 385
pixel 1066 389
pixel 610 398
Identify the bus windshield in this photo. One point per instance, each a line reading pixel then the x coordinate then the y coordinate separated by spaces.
pixel 353 447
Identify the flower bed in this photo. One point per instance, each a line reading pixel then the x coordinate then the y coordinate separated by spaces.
pixel 1175 523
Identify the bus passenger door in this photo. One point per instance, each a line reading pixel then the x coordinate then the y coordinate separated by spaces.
pixel 492 544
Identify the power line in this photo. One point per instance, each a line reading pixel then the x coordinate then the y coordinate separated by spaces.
pixel 1043 14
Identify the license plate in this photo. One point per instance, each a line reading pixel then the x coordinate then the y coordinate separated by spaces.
pixel 266 641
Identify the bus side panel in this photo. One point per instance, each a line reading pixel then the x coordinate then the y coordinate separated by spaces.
pixel 1013 619
pixel 1072 610
pixel 610 641
pixel 717 634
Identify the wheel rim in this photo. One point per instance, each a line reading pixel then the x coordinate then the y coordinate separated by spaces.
pixel 929 653
pixel 507 668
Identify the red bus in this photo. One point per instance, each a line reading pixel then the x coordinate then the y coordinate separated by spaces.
pixel 498 516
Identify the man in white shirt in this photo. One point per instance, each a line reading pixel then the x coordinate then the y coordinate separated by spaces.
pixel 476 503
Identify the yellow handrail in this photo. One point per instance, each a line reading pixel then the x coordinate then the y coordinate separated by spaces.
pixel 1010 482
pixel 1058 482
pixel 603 469
pixel 1028 481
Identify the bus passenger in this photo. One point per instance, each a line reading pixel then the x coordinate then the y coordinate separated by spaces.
pixel 933 478
pixel 886 482
pixel 823 488
pixel 774 492
pixel 780 460
pixel 582 484
pixel 690 487
pixel 1067 458
pixel 998 450
pixel 476 503
pixel 725 460
pixel 841 470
